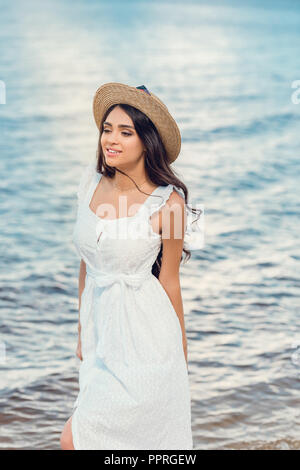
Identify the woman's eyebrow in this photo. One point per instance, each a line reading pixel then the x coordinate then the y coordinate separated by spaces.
pixel 120 125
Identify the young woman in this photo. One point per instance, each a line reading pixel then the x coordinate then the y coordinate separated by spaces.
pixel 130 232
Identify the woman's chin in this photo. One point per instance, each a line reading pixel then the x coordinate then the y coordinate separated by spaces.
pixel 111 161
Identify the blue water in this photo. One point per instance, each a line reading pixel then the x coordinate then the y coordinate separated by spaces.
pixel 225 70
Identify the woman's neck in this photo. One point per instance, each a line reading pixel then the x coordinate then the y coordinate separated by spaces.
pixel 123 183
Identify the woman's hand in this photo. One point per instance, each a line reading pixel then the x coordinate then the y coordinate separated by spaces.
pixel 78 349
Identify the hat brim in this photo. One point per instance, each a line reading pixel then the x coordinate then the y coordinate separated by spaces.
pixel 118 93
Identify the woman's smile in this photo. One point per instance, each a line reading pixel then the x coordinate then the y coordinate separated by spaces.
pixel 112 153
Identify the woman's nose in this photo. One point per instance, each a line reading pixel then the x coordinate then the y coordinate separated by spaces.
pixel 112 138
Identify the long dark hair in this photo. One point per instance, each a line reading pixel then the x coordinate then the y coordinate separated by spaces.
pixel 157 166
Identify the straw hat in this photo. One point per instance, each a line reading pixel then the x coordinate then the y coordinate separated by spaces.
pixel 141 98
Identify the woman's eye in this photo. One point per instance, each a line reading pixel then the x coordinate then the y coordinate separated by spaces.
pixel 124 133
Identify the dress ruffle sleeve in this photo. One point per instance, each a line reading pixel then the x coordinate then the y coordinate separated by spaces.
pixel 88 174
pixel 194 232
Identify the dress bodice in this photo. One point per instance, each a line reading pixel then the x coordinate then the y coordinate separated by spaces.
pixel 128 243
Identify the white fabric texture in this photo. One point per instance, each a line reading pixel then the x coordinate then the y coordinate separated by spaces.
pixel 133 379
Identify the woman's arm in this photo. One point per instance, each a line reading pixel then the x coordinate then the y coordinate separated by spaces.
pixel 81 284
pixel 173 290
pixel 173 230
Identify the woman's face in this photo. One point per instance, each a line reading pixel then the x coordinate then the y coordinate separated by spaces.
pixel 123 139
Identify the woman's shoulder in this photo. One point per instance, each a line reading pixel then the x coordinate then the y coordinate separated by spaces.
pixel 175 196
pixel 172 196
pixel 194 222
pixel 173 202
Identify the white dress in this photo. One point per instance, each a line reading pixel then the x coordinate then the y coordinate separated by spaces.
pixel 133 379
